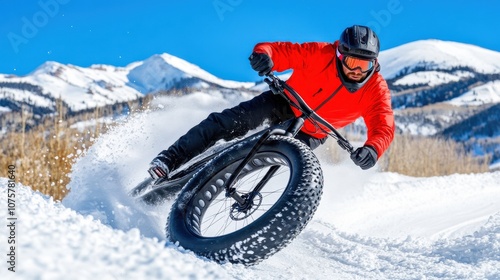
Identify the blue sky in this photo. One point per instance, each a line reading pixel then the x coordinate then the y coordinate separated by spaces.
pixel 218 35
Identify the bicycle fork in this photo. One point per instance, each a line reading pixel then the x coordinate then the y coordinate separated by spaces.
pixel 245 202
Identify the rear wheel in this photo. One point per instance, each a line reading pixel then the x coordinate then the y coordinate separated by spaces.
pixel 203 219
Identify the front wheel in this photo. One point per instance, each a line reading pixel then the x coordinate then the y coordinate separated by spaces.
pixel 211 224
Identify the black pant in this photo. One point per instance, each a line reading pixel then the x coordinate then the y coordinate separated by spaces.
pixel 232 123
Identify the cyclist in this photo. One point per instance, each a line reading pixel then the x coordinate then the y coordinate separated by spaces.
pixel 340 81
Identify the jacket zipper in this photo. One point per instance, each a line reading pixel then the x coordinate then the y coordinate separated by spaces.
pixel 320 90
pixel 328 98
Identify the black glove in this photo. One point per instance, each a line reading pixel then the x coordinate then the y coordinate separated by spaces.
pixel 365 157
pixel 261 63
pixel 158 168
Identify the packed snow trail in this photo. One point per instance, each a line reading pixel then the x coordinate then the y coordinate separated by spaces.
pixel 369 225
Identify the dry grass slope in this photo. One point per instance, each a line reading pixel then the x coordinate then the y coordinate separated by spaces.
pixel 426 157
pixel 43 156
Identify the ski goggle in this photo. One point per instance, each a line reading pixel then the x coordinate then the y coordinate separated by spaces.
pixel 352 63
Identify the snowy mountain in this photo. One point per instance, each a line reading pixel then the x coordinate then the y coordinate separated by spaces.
pixel 369 225
pixel 431 71
pixel 437 55
pixel 441 88
pixel 162 72
pixel 79 88
pixel 84 88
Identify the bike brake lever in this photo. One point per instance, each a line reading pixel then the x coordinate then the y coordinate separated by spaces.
pixel 274 85
pixel 345 145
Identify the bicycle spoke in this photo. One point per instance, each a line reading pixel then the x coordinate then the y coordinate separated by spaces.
pixel 221 215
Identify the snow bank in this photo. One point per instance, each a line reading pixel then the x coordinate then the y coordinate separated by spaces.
pixel 118 161
pixel 392 205
pixel 55 242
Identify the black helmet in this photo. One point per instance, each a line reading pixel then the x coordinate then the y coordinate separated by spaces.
pixel 359 41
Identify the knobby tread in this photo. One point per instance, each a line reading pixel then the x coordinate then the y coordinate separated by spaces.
pixel 273 230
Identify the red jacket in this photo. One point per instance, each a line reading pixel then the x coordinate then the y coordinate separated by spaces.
pixel 315 78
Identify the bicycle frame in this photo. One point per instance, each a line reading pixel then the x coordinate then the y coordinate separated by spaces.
pixel 279 86
pixel 165 187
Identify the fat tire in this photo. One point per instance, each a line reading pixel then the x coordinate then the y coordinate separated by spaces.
pixel 273 230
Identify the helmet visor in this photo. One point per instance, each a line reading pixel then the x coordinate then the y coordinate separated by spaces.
pixel 352 63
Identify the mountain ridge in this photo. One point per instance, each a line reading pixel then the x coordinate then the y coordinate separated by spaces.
pixel 82 88
pixel 438 54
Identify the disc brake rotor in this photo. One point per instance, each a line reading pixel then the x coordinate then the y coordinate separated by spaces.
pixel 238 214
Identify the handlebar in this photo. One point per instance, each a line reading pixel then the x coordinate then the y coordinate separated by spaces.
pixel 279 86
